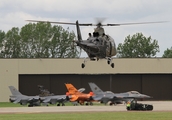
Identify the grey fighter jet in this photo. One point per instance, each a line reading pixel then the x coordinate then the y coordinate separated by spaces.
pixel 113 98
pixel 60 99
pixel 49 98
pixel 17 97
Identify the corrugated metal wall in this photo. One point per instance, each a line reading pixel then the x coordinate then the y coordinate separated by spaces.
pixel 157 85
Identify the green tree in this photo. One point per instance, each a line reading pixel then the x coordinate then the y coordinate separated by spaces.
pixel 40 40
pixel 12 42
pixel 2 36
pixel 167 53
pixel 138 46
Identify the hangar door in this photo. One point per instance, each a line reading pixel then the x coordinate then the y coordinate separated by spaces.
pixel 157 85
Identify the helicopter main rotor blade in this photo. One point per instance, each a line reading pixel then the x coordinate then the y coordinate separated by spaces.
pixel 98 24
pixel 134 23
pixel 51 22
pixel 87 24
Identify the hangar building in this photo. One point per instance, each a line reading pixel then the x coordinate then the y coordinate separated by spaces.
pixel 151 76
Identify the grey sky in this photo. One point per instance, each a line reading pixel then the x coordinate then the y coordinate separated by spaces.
pixel 14 13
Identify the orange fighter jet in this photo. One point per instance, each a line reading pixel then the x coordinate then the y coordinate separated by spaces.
pixel 76 96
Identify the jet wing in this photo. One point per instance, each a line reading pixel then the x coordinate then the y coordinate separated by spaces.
pixel 33 98
pixel 73 98
pixel 97 98
pixel 60 97
pixel 105 100
pixel 17 101
pixel 54 98
pixel 81 90
pixel 47 100
pixel 121 98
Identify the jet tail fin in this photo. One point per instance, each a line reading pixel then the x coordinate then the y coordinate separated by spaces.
pixel 95 88
pixel 71 89
pixel 78 31
pixel 14 91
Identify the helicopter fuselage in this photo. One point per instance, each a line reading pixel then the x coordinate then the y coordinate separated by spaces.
pixel 99 46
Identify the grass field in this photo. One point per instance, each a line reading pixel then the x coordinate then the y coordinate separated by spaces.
pixel 8 104
pixel 127 115
pixel 90 116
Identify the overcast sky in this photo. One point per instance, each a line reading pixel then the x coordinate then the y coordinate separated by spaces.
pixel 13 13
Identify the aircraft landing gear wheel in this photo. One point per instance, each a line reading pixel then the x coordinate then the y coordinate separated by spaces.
pixel 58 104
pixel 82 65
pixel 91 103
pixel 112 65
pixel 108 61
pixel 30 105
pixel 111 104
pixel 86 104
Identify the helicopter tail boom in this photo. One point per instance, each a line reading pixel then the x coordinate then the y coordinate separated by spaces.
pixel 78 31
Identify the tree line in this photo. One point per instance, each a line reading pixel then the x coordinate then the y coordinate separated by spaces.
pixel 139 46
pixel 38 40
pixel 43 40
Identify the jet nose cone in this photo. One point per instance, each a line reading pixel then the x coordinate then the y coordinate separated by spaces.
pixel 146 96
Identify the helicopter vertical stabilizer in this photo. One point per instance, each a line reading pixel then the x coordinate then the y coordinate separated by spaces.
pixel 78 31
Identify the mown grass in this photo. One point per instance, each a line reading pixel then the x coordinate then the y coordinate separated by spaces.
pixel 128 115
pixel 8 104
pixel 91 116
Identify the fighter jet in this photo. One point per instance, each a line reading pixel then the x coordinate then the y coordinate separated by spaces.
pixel 113 98
pixel 78 96
pixel 17 97
pixel 60 99
pixel 49 98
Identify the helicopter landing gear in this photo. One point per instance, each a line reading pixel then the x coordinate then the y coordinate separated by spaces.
pixel 109 61
pixel 112 65
pixel 83 64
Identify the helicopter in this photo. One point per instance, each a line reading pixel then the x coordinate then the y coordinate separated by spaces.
pixel 98 45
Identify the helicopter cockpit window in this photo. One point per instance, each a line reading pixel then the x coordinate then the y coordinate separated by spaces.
pixel 99 30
